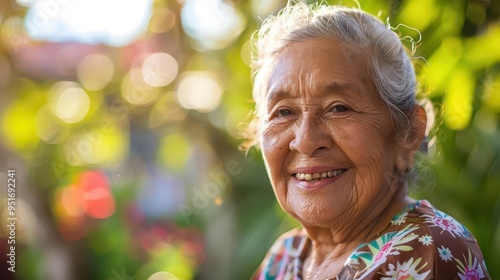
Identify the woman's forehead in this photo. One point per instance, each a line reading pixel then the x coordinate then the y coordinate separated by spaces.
pixel 318 55
pixel 317 47
pixel 322 64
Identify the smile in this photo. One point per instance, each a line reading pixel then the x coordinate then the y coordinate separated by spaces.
pixel 313 177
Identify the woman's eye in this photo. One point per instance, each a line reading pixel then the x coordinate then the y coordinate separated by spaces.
pixel 339 108
pixel 283 112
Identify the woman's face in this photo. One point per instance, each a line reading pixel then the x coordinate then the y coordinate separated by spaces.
pixel 328 139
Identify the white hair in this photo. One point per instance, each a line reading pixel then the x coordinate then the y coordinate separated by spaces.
pixel 390 64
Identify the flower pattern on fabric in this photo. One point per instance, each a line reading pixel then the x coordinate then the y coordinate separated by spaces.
pixel 445 254
pixel 389 244
pixel 406 270
pixel 470 269
pixel 425 240
pixel 406 249
pixel 399 219
pixel 446 223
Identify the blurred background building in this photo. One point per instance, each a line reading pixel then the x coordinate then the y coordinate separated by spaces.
pixel 121 119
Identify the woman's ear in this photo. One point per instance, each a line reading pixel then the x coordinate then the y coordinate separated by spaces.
pixel 413 138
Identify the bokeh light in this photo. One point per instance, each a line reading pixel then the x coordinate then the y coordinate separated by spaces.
pixel 459 100
pixel 245 52
pixel 171 258
pixel 95 71
pixel 73 201
pixel 218 201
pixel 88 21
pixel 69 102
pixel 136 91
pixel 18 124
pixel 420 14
pixel 89 196
pixel 100 203
pixel 49 127
pixel 214 24
pixel 199 91
pixel 163 20
pixel 159 69
pixel 262 8
pixel 483 50
pixel 70 224
pixel 162 275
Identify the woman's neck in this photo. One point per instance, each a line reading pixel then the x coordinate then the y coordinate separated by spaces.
pixel 332 243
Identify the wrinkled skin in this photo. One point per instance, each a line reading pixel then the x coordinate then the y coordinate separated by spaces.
pixel 323 112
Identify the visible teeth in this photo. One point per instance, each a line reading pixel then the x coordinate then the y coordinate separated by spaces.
pixel 316 176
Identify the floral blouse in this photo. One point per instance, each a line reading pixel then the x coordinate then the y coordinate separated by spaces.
pixel 421 242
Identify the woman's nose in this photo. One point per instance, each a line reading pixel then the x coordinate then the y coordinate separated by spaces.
pixel 311 137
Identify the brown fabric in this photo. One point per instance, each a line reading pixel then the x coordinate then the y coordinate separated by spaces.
pixel 420 242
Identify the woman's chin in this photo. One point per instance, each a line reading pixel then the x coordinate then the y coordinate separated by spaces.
pixel 319 217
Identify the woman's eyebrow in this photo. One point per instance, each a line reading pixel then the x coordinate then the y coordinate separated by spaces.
pixel 278 94
pixel 278 91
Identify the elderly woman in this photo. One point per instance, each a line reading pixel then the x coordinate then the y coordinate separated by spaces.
pixel 339 126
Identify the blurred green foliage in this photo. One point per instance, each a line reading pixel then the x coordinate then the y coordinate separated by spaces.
pixel 169 193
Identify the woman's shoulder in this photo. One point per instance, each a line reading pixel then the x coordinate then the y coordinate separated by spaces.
pixel 433 233
pixel 284 256
pixel 424 241
pixel 424 217
pixel 290 242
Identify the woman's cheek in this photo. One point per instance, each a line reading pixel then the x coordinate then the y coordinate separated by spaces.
pixel 270 142
pixel 274 138
pixel 275 149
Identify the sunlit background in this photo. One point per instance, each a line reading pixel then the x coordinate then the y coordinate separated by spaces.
pixel 121 120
